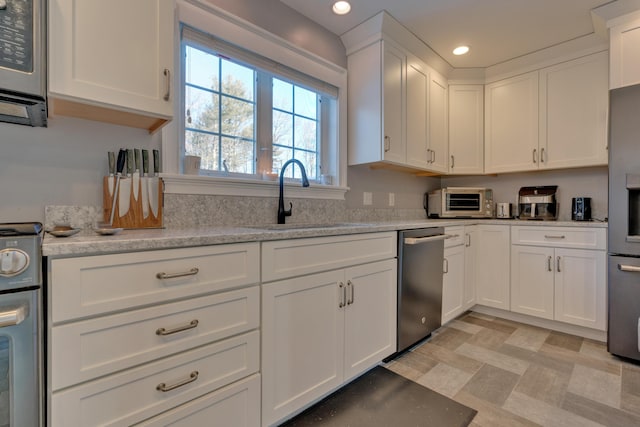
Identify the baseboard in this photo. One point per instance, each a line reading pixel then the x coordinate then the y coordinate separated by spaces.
pixel 543 323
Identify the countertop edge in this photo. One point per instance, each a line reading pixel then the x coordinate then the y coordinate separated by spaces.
pixel 89 243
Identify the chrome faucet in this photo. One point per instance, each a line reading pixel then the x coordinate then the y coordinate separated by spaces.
pixel 282 213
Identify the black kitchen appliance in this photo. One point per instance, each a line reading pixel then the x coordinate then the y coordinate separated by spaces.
pixel 581 209
pixel 623 332
pixel 538 203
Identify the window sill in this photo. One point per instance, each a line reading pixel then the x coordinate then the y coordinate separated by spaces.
pixel 213 186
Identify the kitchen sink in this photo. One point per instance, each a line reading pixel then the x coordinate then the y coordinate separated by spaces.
pixel 305 226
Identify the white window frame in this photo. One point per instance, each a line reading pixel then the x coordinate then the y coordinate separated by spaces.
pixel 209 18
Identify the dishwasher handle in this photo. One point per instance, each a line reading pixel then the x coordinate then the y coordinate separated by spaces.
pixel 419 240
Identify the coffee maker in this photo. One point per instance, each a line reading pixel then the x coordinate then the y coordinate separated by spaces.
pixel 538 203
pixel 581 209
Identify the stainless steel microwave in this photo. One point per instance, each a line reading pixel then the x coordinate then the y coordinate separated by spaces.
pixel 23 62
pixel 460 202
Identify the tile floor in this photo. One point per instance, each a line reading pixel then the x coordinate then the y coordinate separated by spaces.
pixel 520 375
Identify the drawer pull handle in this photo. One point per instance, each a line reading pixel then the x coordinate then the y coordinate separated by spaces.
pixel 163 331
pixel 164 276
pixel 164 388
pixel 549 236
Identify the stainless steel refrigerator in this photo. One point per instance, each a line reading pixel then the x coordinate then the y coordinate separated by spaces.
pixel 624 222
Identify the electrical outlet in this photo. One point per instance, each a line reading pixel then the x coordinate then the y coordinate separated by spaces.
pixel 392 199
pixel 367 198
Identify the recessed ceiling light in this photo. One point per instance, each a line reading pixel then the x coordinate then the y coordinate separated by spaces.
pixel 341 7
pixel 461 50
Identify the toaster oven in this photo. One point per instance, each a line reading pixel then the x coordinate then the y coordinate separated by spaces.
pixel 460 202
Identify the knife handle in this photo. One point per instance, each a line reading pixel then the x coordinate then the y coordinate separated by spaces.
pixel 112 162
pixel 145 161
pixel 130 161
pixel 137 156
pixel 156 162
pixel 122 157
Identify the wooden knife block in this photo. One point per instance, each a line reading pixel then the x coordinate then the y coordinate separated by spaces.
pixel 134 216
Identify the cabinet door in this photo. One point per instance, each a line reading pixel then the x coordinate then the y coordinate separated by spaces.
pixel 511 124
pixel 532 271
pixel 127 66
pixel 493 266
pixel 438 123
pixel 394 148
pixel 466 129
pixel 581 287
pixel 625 54
pixel 370 315
pixel 302 342
pixel 574 99
pixel 470 266
pixel 417 100
pixel 453 283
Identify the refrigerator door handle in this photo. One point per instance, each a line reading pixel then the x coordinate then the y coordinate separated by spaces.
pixel 629 268
pixel 638 333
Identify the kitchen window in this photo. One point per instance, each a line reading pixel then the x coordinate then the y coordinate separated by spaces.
pixel 246 115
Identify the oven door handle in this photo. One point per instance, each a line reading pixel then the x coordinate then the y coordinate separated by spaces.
pixel 418 240
pixel 12 317
pixel 629 268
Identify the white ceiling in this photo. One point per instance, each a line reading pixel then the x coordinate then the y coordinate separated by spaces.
pixel 496 30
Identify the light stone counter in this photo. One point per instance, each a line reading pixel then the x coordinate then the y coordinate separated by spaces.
pixel 89 243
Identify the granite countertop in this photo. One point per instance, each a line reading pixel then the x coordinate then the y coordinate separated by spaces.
pixel 88 242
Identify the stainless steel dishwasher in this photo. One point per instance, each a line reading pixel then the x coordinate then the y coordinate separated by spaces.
pixel 420 262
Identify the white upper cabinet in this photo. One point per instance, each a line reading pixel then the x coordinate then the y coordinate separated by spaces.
pixel 552 118
pixel 466 129
pixel 438 123
pixel 393 82
pixel 417 110
pixel 112 61
pixel 574 101
pixel 625 53
pixel 511 124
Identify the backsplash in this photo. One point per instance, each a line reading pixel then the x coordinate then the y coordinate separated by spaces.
pixel 186 211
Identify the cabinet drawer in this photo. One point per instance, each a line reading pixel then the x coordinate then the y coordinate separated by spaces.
pixel 454 236
pixel 134 395
pixel 84 350
pixel 289 258
pixel 235 405
pixel 88 286
pixel 560 237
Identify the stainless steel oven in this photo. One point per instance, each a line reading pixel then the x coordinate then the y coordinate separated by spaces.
pixel 460 202
pixel 21 357
pixel 23 62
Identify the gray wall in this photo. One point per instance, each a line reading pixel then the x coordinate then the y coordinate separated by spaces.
pixel 587 182
pixel 278 18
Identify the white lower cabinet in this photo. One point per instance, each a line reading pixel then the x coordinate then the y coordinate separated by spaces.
pixel 553 278
pixel 470 266
pixel 320 330
pixel 236 405
pixel 453 273
pixel 493 259
pixel 136 335
pixel 453 283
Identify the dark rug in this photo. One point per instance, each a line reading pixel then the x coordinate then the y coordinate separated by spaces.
pixel 383 398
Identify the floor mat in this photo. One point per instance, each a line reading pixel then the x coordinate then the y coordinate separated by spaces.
pixel 383 398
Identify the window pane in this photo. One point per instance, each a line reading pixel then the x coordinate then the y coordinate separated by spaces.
pixel 238 155
pixel 305 133
pixel 282 95
pixel 201 109
pixel 282 128
pixel 280 156
pixel 306 102
pixel 237 117
pixel 201 68
pixel 237 80
pixel 308 159
pixel 203 145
